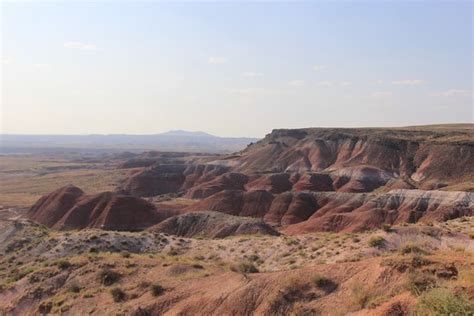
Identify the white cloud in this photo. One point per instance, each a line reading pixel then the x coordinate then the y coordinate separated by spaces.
pixel 296 83
pixel 378 82
pixel 381 94
pixel 344 83
pixel 217 60
pixel 409 82
pixel 79 45
pixel 325 83
pixel 253 74
pixel 318 67
pixel 454 93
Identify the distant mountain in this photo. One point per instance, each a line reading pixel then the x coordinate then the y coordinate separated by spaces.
pixel 187 133
pixel 174 140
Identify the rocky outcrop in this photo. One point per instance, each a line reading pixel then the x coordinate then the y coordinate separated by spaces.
pixel 358 212
pixel 212 225
pixel 337 211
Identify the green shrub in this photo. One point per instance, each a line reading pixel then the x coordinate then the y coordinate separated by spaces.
pixel 419 282
pixel 63 264
pixel 245 267
pixel 387 228
pixel 45 307
pixel 118 294
pixel 108 277
pixel 412 248
pixel 441 301
pixel 157 289
pixel 254 257
pixel 376 241
pixel 324 283
pixel 74 288
pixel 361 295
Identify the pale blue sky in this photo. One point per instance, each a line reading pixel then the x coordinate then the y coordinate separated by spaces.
pixel 233 69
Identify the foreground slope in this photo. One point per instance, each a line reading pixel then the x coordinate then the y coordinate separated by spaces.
pixel 393 272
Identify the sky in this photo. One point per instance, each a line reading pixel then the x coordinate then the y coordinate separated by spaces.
pixel 233 68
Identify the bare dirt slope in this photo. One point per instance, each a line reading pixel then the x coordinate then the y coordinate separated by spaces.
pixel 396 272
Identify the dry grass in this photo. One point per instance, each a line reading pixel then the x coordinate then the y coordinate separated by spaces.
pixel 24 179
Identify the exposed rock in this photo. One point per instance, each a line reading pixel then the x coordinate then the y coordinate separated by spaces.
pixel 212 225
pixel 274 183
pixel 155 180
pixel 227 181
pixel 336 211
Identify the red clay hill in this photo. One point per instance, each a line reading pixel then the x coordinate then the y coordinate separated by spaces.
pixel 69 208
pixel 313 179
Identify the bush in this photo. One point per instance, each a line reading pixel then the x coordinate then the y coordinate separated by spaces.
pixel 324 283
pixel 117 294
pixel 74 288
pixel 360 295
pixel 157 289
pixel 419 282
pixel 245 267
pixel 108 277
pixel 387 228
pixel 443 302
pixel 376 241
pixel 125 254
pixel 63 264
pixel 45 307
pixel 293 291
pixel 412 248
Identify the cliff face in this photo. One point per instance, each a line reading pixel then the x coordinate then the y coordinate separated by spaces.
pixel 419 155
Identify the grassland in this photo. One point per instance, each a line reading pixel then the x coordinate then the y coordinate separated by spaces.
pixel 23 179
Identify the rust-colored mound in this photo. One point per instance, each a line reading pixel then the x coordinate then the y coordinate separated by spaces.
pixel 314 182
pixel 227 201
pixel 50 208
pixel 274 183
pixel 291 207
pixel 227 181
pixel 69 208
pixel 212 225
pixel 196 174
pixel 155 180
pixel 360 179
